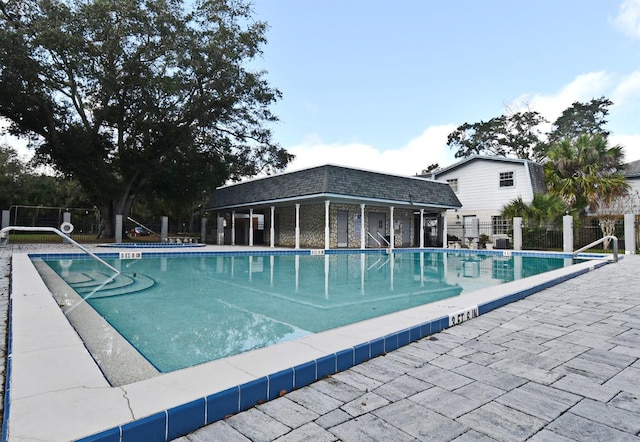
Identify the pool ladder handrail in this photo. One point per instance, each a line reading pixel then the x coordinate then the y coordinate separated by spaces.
pixel 7 229
pixel 374 238
pixel 596 242
pixel 384 239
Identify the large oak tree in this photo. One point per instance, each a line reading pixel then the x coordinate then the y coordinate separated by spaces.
pixel 521 134
pixel 135 96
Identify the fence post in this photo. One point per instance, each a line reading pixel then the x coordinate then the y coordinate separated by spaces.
pixel 567 233
pixel 517 233
pixel 164 229
pixel 203 230
pixel 6 218
pixel 66 218
pixel 629 233
pixel 118 236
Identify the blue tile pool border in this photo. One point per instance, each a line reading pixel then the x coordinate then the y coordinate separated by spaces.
pixel 316 252
pixel 184 419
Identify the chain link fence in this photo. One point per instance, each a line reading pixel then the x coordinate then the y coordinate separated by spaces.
pixel 86 223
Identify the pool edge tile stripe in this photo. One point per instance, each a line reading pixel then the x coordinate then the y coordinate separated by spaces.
pixel 150 428
pixel 279 382
pixel 185 418
pixel 222 403
pixel 253 393
pixel 325 366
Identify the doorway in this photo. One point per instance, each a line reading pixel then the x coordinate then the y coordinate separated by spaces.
pixel 343 228
pixel 377 229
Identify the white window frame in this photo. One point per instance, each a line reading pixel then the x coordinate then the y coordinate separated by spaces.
pixel 503 178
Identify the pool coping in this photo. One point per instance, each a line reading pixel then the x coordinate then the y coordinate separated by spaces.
pixel 53 381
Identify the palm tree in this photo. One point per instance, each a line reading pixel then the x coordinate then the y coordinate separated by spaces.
pixel 585 172
pixel 544 209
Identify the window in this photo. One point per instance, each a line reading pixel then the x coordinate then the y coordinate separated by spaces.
pixel 500 225
pixel 506 179
pixel 453 184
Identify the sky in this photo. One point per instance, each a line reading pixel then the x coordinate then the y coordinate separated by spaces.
pixel 379 84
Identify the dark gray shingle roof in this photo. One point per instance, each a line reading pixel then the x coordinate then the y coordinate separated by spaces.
pixel 536 172
pixel 335 181
pixel 632 169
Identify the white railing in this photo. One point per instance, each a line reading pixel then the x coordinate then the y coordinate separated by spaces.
pixel 6 230
pixel 595 243
pixel 384 239
pixel 374 238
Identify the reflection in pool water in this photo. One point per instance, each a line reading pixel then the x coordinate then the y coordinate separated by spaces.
pixel 186 310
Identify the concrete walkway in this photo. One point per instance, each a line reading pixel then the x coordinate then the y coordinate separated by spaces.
pixel 560 365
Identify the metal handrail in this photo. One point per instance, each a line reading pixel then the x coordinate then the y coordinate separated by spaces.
pixel 595 243
pixel 384 239
pixel 374 238
pixel 59 233
pixel 143 226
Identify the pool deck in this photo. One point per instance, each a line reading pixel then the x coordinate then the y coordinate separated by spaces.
pixel 561 364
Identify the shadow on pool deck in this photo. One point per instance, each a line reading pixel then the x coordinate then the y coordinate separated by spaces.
pixel 561 364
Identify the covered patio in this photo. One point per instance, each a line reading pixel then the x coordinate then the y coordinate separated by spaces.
pixel 331 206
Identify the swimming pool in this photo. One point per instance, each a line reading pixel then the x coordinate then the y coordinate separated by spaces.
pixel 179 311
pixel 57 392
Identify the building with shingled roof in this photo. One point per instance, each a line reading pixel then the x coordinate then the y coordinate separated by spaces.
pixel 332 207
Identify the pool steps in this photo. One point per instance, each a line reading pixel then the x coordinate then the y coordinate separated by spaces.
pixel 124 284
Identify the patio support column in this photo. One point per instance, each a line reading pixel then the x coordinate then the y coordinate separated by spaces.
pixel 326 224
pixel 297 226
pixel 362 232
pixel 250 227
pixel 421 228
pixel 391 230
pixel 272 229
pixel 443 220
pixel 233 227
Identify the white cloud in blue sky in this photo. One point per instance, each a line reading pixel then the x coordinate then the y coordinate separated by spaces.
pixel 628 18
pixel 379 85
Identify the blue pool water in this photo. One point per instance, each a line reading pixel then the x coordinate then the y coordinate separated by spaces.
pixel 179 311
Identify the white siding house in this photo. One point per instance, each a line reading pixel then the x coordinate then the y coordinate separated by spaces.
pixel 632 176
pixel 484 185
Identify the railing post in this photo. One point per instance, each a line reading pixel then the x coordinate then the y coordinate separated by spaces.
pixel 517 233
pixel 118 232
pixel 203 230
pixel 567 233
pixel 6 217
pixel 164 228
pixel 66 218
pixel 629 233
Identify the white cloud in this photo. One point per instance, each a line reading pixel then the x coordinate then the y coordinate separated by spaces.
pixel 583 88
pixel 628 18
pixel 631 144
pixel 431 146
pixel 627 92
pixel 428 148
